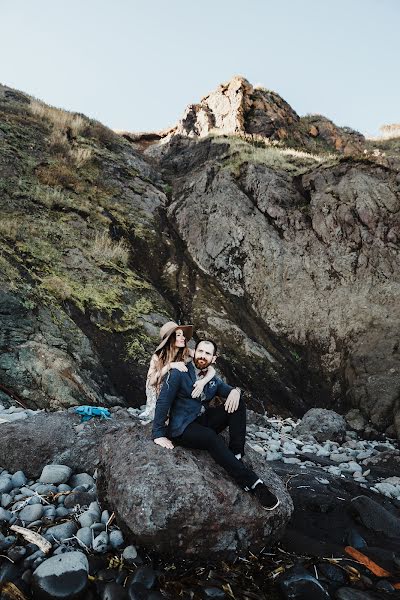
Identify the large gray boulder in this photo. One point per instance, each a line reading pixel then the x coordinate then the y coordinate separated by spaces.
pixel 58 438
pixel 323 425
pixel 180 502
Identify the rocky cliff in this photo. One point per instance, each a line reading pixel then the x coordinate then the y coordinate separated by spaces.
pixel 276 234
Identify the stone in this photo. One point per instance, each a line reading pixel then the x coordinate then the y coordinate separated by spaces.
pixel 298 583
pixel 50 438
pixel 137 591
pixel 135 476
pixel 5 485
pixel 61 576
pixel 81 479
pixel 85 535
pixel 116 538
pixel 61 511
pixel 100 543
pixel 18 479
pixel 6 500
pixel 105 515
pixel 323 424
pixel 146 576
pixel 55 474
pixel 81 498
pixel 5 515
pixel 16 553
pixel 213 592
pixel 31 513
pixel 355 419
pixel 384 464
pixel 87 519
pixel 375 517
pixel 129 554
pixel 62 532
pixel 114 591
pixel 347 593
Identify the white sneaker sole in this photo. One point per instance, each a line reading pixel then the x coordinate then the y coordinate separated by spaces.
pixel 272 507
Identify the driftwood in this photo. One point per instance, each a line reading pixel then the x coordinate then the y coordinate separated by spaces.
pixel 33 537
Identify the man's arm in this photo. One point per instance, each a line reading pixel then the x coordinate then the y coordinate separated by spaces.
pixel 167 395
pixel 231 394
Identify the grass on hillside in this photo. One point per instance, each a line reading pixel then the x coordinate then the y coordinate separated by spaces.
pixel 271 154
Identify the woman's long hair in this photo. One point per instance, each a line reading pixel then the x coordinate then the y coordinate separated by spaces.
pixel 170 353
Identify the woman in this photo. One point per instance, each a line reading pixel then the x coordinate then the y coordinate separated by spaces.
pixel 172 353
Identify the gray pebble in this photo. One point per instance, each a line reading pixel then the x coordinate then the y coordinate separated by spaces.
pixel 55 474
pixel 81 479
pixel 116 538
pixel 64 487
pixel 34 500
pixel 97 527
pixel 7 542
pixel 85 535
pixel 61 511
pixel 100 543
pixel 95 508
pixel 5 485
pixel 16 553
pixel 87 519
pixel 46 488
pixel 6 500
pixel 105 515
pixel 37 523
pixel 31 513
pixel 129 554
pixel 62 532
pixel 18 479
pixel 5 515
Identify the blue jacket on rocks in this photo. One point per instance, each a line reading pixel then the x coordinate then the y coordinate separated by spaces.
pixel 176 401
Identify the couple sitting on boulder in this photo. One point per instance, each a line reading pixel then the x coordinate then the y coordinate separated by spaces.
pixel 180 389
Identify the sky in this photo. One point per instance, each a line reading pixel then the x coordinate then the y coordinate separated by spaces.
pixel 135 65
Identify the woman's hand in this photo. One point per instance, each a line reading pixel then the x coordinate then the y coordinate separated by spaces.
pixel 198 388
pixel 180 366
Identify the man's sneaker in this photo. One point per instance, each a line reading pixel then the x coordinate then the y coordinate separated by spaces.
pixel 266 498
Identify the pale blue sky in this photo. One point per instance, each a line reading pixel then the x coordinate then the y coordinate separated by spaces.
pixel 135 65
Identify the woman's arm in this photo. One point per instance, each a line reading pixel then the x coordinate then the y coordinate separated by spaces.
pixel 198 386
pixel 152 374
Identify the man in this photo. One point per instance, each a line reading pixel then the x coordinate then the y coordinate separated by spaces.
pixel 194 424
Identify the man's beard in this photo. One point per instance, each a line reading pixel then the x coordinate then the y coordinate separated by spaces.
pixel 202 363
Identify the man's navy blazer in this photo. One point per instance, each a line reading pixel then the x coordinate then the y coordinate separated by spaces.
pixel 176 401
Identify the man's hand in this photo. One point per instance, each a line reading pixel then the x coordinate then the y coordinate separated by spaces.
pixel 232 401
pixel 164 442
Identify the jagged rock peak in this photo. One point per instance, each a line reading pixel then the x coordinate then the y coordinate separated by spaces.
pixel 237 107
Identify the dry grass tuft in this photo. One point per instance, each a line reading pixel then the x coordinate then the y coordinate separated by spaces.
pixel 80 155
pixel 58 287
pixel 104 249
pixel 60 119
pixel 9 228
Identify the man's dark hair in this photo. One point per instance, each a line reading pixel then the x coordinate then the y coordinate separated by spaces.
pixel 208 342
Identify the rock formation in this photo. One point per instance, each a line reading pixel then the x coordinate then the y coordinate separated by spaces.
pixel 181 503
pixel 288 258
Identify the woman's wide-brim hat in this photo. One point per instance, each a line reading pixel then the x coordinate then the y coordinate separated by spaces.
pixel 168 329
